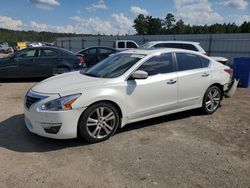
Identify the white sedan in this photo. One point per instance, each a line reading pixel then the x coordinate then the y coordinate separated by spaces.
pixel 126 87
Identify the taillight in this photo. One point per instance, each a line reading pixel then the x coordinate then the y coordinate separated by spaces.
pixel 229 71
pixel 81 59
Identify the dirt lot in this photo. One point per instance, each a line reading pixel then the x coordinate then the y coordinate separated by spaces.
pixel 181 150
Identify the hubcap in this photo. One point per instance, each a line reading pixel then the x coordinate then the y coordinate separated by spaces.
pixel 212 100
pixel 101 122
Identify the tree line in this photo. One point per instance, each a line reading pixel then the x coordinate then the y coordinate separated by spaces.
pixel 148 25
pixel 12 36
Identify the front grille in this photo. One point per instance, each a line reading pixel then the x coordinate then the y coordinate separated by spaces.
pixel 31 100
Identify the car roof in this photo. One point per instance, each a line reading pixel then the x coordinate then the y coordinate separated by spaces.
pixel 62 50
pixel 174 41
pixel 98 47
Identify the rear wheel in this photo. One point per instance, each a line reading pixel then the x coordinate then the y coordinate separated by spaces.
pixel 98 122
pixel 212 99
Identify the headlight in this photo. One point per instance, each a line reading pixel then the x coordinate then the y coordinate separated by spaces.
pixel 63 103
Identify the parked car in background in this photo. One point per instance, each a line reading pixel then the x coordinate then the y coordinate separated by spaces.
pixel 39 62
pixel 35 44
pixel 5 48
pixel 124 44
pixel 94 55
pixel 187 45
pixel 126 87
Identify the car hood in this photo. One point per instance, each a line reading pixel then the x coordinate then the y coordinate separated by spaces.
pixel 67 83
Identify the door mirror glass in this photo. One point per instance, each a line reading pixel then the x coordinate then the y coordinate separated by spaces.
pixel 139 74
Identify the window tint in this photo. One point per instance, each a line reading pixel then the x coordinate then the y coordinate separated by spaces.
pixel 121 44
pixel 158 65
pixel 27 53
pixel 92 51
pixel 161 45
pixel 105 51
pixel 188 61
pixel 189 47
pixel 47 53
pixel 205 61
pixel 173 45
pixel 131 45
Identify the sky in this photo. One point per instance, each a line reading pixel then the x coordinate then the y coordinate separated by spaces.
pixel 114 16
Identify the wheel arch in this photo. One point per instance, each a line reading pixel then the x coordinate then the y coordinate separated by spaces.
pixel 119 110
pixel 220 86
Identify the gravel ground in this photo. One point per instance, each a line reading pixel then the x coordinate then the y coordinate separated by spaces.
pixel 180 150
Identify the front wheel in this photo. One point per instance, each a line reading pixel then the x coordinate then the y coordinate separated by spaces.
pixel 212 99
pixel 98 122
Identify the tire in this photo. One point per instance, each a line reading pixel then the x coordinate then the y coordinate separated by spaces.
pixel 61 70
pixel 211 100
pixel 98 122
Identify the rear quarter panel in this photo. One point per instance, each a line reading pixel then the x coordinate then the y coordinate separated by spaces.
pixel 219 75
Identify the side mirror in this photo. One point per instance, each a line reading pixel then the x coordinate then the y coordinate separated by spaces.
pixel 139 74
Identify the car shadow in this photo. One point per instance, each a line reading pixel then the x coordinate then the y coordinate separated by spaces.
pixel 15 136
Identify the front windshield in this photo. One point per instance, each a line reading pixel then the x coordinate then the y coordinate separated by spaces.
pixel 114 66
pixel 146 46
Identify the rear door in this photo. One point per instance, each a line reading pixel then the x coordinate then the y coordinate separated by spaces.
pixel 193 78
pixel 91 56
pixel 47 61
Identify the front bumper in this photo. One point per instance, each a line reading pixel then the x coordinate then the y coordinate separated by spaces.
pixel 52 124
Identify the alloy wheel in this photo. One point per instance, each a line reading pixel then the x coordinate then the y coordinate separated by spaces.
pixel 101 122
pixel 212 100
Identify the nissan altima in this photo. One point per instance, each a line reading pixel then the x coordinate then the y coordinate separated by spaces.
pixel 126 87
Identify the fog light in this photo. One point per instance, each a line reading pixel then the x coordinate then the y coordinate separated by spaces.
pixel 51 128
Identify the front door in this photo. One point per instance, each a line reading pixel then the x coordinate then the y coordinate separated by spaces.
pixel 23 64
pixel 156 94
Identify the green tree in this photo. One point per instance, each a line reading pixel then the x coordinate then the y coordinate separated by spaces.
pixel 141 24
pixel 154 26
pixel 169 21
pixel 180 27
pixel 245 27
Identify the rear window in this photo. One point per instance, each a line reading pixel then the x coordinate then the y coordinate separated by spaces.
pixel 189 47
pixel 131 45
pixel 205 61
pixel 47 53
pixel 187 61
pixel 168 45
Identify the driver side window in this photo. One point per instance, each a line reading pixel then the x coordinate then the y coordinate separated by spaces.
pixel 27 54
pixel 158 65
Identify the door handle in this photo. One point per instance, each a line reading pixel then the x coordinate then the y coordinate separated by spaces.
pixel 171 81
pixel 205 75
